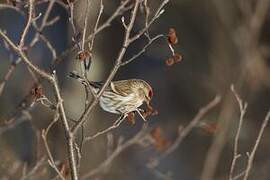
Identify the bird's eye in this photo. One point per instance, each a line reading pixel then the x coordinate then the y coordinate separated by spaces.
pixel 150 94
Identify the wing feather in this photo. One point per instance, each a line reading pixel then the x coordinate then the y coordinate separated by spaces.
pixel 121 87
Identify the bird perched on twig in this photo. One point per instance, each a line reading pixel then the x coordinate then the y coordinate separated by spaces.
pixel 121 97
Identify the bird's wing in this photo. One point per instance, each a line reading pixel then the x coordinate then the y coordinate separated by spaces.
pixel 121 87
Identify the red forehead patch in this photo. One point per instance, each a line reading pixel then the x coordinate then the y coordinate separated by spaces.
pixel 150 93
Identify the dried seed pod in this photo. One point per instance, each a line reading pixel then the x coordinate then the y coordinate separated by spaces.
pixel 149 111
pixel 131 118
pixel 37 92
pixel 83 55
pixel 172 38
pixel 169 61
pixel 177 57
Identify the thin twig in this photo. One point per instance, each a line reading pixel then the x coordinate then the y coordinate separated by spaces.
pixel 101 8
pixel 25 59
pixel 24 116
pixel 158 13
pixel 8 74
pixel 142 50
pixel 44 134
pixel 51 160
pixel 28 23
pixel 53 81
pixel 85 23
pixel 243 108
pixel 116 124
pixel 34 40
pixel 29 174
pixel 251 156
pixel 119 149
pixel 183 132
pixel 119 11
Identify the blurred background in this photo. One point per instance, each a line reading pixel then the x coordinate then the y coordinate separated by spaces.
pixel 222 43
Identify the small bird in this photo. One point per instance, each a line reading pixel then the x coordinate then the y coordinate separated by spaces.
pixel 121 97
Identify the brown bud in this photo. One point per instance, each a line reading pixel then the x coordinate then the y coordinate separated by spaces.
pixel 172 38
pixel 156 132
pixel 83 55
pixel 149 111
pixel 37 92
pixel 159 141
pixel 169 61
pixel 131 118
pixel 63 168
pixel 177 57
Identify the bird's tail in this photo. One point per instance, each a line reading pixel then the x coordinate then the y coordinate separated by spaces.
pixel 82 80
pixel 76 76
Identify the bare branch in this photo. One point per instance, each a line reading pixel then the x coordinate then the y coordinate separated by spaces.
pixel 243 107
pixel 255 147
pixel 53 81
pixel 119 149
pixel 158 13
pixel 115 125
pixel 96 25
pixel 34 170
pixel 15 121
pixel 8 74
pixel 27 26
pixel 183 132
pixel 120 10
pixel 85 23
pixel 25 59
pixel 142 50
pixel 51 160
pixel 7 6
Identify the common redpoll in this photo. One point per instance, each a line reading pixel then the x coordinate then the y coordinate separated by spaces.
pixel 122 97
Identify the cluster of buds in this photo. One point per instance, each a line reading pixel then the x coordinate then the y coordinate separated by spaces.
pixel 172 40
pixel 83 55
pixel 174 59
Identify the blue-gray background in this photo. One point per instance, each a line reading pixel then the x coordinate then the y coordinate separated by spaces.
pixel 213 59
